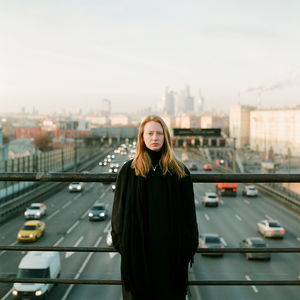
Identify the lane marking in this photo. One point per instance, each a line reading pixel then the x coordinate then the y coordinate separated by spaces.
pixel 76 197
pixel 102 196
pixel 246 201
pixel 7 294
pixel 59 241
pixel 81 269
pixel 298 239
pixel 238 217
pixel 85 214
pixel 107 227
pixel 206 217
pixel 221 201
pixel 67 204
pixel 55 213
pixel 268 217
pixel 12 244
pixel 253 286
pixel 73 226
pixel 68 254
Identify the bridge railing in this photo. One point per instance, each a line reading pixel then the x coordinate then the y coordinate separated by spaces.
pixel 107 177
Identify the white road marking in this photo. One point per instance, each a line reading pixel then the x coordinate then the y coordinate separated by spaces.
pixel 67 204
pixel 112 254
pixel 76 197
pixel 253 286
pixel 58 242
pixel 221 201
pixel 85 214
pixel 206 217
pixel 107 227
pixel 246 201
pixel 298 239
pixel 55 213
pixel 102 196
pixel 73 226
pixel 196 201
pixel 268 217
pixel 238 217
pixel 7 294
pixel 223 241
pixel 299 277
pixel 12 244
pixel 81 269
pixel 68 254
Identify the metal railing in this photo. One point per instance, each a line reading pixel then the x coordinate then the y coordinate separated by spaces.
pixel 107 177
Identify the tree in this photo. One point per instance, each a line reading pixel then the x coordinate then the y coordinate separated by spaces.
pixel 43 141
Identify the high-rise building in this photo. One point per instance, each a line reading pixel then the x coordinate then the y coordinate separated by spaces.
pixel 200 103
pixel 168 102
pixel 106 108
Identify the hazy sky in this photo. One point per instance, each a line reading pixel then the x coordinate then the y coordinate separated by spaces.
pixel 71 54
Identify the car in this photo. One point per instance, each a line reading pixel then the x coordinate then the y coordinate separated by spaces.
pixel 270 228
pixel 211 240
pixel 193 167
pixel 250 191
pixel 113 187
pixel 31 231
pixel 75 187
pixel 109 239
pixel 207 167
pixel 35 211
pixel 98 212
pixel 113 168
pixel 210 199
pixel 255 242
pixel 103 163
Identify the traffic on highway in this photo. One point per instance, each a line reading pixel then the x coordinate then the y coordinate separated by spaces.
pixel 80 214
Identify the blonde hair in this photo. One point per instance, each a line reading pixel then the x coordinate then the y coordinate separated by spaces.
pixel 168 162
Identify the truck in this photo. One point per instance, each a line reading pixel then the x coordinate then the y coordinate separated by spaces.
pixel 226 188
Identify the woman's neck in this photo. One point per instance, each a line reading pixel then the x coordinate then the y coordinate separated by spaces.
pixel 155 156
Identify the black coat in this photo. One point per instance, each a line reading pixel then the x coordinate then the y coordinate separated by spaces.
pixel 154 228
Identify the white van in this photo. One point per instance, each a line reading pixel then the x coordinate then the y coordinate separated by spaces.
pixel 36 265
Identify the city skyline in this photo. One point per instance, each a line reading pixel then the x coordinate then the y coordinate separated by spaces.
pixel 72 55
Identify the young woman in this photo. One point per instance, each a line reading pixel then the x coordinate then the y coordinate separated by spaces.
pixel 154 224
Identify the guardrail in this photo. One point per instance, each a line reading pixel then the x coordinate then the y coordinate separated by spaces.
pixel 107 177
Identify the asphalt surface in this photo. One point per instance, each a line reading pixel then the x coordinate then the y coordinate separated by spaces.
pixel 67 224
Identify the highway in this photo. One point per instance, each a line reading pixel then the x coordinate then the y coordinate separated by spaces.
pixel 235 219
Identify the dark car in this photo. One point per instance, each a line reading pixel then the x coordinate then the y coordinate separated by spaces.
pixel 211 240
pixel 255 242
pixel 193 167
pixel 98 212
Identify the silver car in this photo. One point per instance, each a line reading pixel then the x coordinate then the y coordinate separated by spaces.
pixel 210 199
pixel 255 242
pixel 211 240
pixel 35 211
pixel 250 191
pixel 75 187
pixel 270 228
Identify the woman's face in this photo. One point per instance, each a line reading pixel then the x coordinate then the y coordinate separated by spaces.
pixel 153 136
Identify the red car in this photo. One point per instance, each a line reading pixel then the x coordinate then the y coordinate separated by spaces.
pixel 207 167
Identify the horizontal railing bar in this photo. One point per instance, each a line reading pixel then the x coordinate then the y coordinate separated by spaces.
pixel 108 177
pixel 107 249
pixel 118 282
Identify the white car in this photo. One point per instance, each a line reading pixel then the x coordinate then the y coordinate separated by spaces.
pixel 35 211
pixel 250 191
pixel 270 228
pixel 210 199
pixel 75 187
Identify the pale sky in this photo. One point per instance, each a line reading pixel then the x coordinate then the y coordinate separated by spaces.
pixel 72 54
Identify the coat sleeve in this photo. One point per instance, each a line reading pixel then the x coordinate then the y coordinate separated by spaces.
pixel 117 217
pixel 191 227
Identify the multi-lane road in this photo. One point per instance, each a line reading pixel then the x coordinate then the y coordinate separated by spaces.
pixel 235 218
